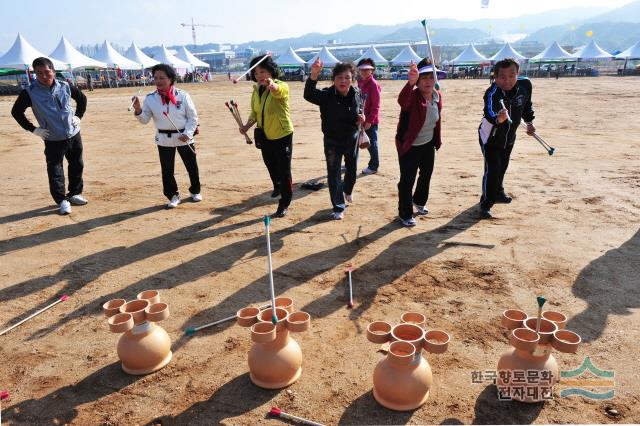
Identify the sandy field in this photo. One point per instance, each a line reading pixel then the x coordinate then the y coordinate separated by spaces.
pixel 571 234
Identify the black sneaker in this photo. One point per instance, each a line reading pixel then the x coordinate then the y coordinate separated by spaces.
pixel 503 199
pixel 281 212
pixel 275 193
pixel 485 213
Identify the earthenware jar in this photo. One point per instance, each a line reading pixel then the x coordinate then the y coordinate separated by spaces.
pixel 402 380
pixel 143 347
pixel 528 371
pixel 275 359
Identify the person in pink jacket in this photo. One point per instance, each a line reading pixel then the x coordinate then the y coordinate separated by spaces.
pixel 370 88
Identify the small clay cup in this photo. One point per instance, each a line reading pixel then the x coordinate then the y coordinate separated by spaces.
pixel 558 317
pixel 566 341
pixel 263 332
pixel 436 341
pixel 136 309
pixel 413 318
pixel 153 296
pixel 157 312
pixel 408 333
pixel 120 323
pixel 298 321
pixel 379 332
pixel 285 303
pixel 112 307
pixel 513 318
pixel 524 339
pixel 401 353
pixel 281 315
pixel 246 317
pixel 547 328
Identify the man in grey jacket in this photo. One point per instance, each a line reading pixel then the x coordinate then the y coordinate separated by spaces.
pixel 58 126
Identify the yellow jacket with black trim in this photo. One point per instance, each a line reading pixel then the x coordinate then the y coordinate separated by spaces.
pixel 277 117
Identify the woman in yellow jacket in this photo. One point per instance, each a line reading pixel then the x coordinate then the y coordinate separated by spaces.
pixel 274 133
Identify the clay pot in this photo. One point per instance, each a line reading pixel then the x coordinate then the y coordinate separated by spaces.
pixel 524 339
pixel 523 363
pixel 408 333
pixel 547 328
pixel 285 303
pixel 136 309
pixel 401 380
pixel 278 363
pixel 298 321
pixel 566 341
pixel 558 317
pixel 120 323
pixel 513 318
pixel 246 317
pixel 379 332
pixel 112 307
pixel 153 296
pixel 263 332
pixel 145 348
pixel 436 341
pixel 157 312
pixel 281 315
pixel 413 318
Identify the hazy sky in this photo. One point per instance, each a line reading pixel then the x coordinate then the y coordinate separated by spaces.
pixel 151 22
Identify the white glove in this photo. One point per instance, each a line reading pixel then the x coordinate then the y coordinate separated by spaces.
pixel 43 133
pixel 75 121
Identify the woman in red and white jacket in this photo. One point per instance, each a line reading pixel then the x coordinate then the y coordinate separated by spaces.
pixel 370 89
pixel 417 138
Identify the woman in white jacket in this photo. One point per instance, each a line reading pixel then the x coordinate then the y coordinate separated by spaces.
pixel 176 121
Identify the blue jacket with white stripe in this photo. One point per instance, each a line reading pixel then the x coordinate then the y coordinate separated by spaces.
pixel 517 101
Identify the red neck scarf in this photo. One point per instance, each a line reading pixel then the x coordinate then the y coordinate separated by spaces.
pixel 167 96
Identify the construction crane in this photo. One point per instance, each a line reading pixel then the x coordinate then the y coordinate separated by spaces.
pixel 193 28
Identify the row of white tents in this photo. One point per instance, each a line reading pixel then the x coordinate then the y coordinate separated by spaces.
pixel 470 55
pixel 65 56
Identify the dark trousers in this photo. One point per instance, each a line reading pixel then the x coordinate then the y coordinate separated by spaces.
pixel 334 151
pixel 167 164
pixel 496 162
pixel 55 152
pixel 419 158
pixel 374 162
pixel 277 157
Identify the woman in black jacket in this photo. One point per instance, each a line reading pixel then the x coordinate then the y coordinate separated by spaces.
pixel 341 113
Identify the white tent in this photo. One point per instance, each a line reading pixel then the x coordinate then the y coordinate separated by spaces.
pixel 190 58
pixel 553 53
pixel 373 53
pixel 21 55
pixel 290 58
pixel 163 55
pixel 327 58
pixel 470 55
pixel 631 53
pixel 592 52
pixel 137 55
pixel 507 52
pixel 405 57
pixel 113 59
pixel 65 52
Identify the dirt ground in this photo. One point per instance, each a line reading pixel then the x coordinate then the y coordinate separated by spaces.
pixel 571 234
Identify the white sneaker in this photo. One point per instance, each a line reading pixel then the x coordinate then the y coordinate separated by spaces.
pixel 349 198
pixel 408 222
pixel 78 200
pixel 65 207
pixel 421 210
pixel 338 215
pixel 196 198
pixel 368 171
pixel 175 200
